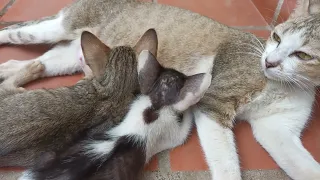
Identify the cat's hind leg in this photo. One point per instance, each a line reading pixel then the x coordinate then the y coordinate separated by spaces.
pixel 32 71
pixel 63 59
pixel 44 31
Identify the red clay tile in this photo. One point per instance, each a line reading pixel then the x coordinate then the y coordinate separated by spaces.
pixel 260 33
pixel 286 9
pixel 152 165
pixel 3 3
pixel 311 136
pixel 230 12
pixel 252 155
pixel 23 10
pixel 266 8
pixel 188 157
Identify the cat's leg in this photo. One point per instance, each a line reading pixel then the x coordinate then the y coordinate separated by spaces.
pixel 279 134
pixel 12 84
pixel 219 147
pixel 61 60
pixel 46 30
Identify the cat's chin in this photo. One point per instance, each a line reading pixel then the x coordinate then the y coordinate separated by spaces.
pixel 272 76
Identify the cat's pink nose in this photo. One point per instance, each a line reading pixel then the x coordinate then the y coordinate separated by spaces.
pixel 271 65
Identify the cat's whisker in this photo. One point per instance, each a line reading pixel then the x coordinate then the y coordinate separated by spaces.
pixel 262 47
pixel 248 53
pixel 253 46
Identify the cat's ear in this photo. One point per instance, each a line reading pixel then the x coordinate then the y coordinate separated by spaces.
pixel 148 70
pixel 95 53
pixel 306 8
pixel 193 90
pixel 148 41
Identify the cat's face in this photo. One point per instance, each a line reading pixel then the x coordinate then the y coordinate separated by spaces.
pixel 292 52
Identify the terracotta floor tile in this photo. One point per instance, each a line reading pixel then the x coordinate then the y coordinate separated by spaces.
pixel 266 8
pixel 188 157
pixel 230 12
pixel 260 33
pixel 153 164
pixel 286 9
pixel 252 155
pixel 23 10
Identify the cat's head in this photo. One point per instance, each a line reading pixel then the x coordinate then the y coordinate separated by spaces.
pixel 292 53
pixel 114 68
pixel 168 87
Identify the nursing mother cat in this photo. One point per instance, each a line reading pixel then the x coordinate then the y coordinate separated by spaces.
pixel 274 92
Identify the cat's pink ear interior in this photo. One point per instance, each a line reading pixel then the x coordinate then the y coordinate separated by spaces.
pixel 306 8
pixel 148 70
pixel 148 41
pixel 95 53
pixel 193 90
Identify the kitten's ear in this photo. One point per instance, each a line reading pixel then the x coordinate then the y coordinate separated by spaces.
pixel 193 90
pixel 306 8
pixel 148 71
pixel 148 41
pixel 95 52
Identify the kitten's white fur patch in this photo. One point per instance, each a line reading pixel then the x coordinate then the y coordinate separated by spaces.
pixel 98 149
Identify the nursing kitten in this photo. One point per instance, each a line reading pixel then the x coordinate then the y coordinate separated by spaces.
pixel 36 121
pixel 270 84
pixel 153 123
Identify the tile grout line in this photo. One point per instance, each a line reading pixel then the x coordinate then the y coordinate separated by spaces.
pixel 6 7
pixel 276 13
pixel 164 164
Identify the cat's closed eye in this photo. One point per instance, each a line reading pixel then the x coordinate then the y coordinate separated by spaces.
pixel 276 37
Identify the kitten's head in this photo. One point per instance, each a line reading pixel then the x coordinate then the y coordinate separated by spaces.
pixel 292 52
pixel 114 68
pixel 168 87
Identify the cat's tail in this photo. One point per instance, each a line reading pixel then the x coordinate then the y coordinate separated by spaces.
pixel 77 162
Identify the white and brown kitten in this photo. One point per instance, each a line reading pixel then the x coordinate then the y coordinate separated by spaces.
pixel 154 123
pixel 274 93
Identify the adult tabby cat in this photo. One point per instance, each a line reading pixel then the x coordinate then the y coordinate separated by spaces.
pixel 274 92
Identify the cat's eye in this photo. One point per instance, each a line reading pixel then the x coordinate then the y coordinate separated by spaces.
pixel 276 37
pixel 302 55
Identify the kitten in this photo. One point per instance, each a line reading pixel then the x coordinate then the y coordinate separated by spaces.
pixel 153 123
pixel 271 84
pixel 36 121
